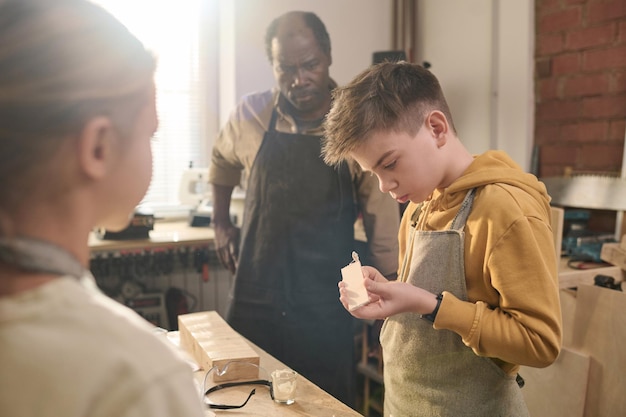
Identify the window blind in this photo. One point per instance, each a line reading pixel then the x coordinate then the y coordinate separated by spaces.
pixel 174 32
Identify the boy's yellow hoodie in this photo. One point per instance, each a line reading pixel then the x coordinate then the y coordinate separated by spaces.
pixel 513 313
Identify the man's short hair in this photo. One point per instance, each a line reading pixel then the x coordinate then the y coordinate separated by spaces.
pixel 311 20
pixel 390 96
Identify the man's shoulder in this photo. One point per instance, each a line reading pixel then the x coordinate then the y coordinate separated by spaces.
pixel 254 107
pixel 258 100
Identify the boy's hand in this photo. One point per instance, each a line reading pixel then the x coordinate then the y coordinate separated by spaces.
pixel 373 309
pixel 388 298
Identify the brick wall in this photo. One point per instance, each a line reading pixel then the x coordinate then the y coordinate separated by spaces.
pixel 580 85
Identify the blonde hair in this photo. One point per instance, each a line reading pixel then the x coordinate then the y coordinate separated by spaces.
pixel 62 62
pixel 391 96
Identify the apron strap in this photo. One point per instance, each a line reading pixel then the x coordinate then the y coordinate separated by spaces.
pixel 271 127
pixel 466 207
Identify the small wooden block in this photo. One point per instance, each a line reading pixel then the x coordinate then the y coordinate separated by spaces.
pixel 353 278
pixel 212 342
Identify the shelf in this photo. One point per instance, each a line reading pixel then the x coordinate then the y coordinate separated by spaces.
pixel 370 371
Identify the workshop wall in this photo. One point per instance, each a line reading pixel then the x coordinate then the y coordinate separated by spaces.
pixel 485 64
pixel 580 85
pixel 357 28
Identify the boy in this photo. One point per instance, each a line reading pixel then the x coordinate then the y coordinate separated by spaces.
pixel 477 290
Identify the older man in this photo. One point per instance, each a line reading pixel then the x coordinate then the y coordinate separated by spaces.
pixel 299 213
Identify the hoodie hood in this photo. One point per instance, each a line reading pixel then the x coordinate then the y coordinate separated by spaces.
pixel 497 167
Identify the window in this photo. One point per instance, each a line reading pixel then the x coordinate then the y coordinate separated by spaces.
pixel 177 33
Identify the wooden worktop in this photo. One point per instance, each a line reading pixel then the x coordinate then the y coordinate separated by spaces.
pixel 571 277
pixel 175 232
pixel 164 233
pixel 311 400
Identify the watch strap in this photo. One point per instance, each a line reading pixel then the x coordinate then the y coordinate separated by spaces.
pixel 431 316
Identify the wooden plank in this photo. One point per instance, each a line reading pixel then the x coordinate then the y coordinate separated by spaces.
pixel 557 218
pixel 568 313
pixel 600 332
pixel 614 254
pixel 212 342
pixel 558 390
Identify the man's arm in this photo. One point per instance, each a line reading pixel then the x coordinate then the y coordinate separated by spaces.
pixel 226 234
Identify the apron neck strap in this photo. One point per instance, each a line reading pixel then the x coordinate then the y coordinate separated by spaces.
pixel 272 125
pixel 466 206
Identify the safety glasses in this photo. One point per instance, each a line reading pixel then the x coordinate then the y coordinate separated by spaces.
pixel 226 388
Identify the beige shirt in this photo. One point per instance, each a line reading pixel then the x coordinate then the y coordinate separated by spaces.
pixel 68 350
pixel 238 143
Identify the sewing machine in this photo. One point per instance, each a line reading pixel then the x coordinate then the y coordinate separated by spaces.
pixel 195 191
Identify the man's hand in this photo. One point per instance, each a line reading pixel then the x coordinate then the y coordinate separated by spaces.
pixel 226 234
pixel 227 245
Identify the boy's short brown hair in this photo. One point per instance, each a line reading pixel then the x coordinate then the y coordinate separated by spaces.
pixel 388 96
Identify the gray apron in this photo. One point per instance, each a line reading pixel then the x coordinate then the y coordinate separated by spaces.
pixel 297 234
pixel 430 372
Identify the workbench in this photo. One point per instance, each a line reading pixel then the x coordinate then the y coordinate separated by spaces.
pixel 572 277
pixel 311 400
pixel 165 233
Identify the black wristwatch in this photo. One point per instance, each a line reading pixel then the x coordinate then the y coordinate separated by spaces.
pixel 431 317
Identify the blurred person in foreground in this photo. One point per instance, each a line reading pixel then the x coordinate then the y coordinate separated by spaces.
pixel 477 294
pixel 77 114
pixel 299 215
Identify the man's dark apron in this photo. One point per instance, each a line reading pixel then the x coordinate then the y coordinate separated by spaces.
pixel 431 372
pixel 297 233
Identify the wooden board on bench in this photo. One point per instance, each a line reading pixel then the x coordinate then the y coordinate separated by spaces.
pixel 212 342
